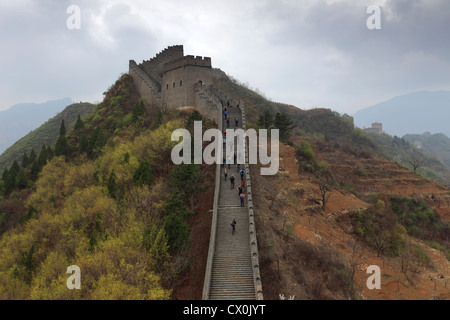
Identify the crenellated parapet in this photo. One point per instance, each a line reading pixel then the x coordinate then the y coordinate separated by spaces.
pixel 156 64
pixel 187 61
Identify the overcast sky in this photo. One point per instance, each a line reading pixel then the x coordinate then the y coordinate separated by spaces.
pixel 310 53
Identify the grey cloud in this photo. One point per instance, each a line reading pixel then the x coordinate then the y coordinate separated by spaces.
pixel 309 53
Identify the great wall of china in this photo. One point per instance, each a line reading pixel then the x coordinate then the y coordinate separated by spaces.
pixel 171 80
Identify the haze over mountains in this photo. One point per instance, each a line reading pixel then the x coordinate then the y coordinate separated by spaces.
pixel 20 119
pixel 413 113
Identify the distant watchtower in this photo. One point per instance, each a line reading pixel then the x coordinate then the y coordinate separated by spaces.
pixel 173 80
pixel 377 128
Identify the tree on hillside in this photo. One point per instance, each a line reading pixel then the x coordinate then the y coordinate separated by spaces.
pixel 62 128
pixel 96 140
pixel 21 181
pixel 111 185
pixel 325 193
pixel 35 169
pixel 283 123
pixel 25 160
pixel 14 169
pixel 143 174
pixel 43 157
pixel 61 143
pixel 83 146
pixel 187 178
pixel 266 119
pixel 357 258
pixel 326 181
pixel 79 125
pixel 415 163
pixel 33 156
pixel 138 111
pixel 5 174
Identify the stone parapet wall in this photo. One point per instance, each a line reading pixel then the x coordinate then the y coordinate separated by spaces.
pixel 251 214
pixel 187 61
pixel 145 85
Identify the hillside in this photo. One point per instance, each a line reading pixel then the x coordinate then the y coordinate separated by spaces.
pixel 314 251
pixel 409 155
pixel 436 145
pixel 107 197
pixel 20 119
pixel 45 134
pixel 412 113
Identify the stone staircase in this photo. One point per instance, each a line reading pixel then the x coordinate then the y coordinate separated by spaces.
pixel 232 274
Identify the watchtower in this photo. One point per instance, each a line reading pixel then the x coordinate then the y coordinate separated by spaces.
pixel 171 79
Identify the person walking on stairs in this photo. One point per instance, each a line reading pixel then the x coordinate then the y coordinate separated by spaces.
pixel 241 196
pixel 232 181
pixel 242 173
pixel 226 174
pixel 240 190
pixel 233 226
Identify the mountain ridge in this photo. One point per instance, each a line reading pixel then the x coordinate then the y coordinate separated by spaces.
pixel 20 119
pixel 412 113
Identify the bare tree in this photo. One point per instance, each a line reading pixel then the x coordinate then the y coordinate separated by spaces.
pixel 325 193
pixel 380 241
pixel 415 164
pixel 325 183
pixel 357 258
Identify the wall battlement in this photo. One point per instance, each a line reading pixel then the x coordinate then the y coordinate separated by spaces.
pixel 188 61
pixel 156 64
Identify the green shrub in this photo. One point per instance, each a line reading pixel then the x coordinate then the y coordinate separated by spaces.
pixel 306 151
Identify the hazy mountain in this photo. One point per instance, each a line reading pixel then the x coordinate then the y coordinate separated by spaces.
pixel 436 145
pixel 20 119
pixel 413 113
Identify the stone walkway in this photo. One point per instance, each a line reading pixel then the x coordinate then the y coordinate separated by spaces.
pixel 232 274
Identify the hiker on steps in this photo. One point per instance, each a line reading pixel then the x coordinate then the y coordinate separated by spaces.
pixel 241 196
pixel 233 225
pixel 232 181
pixel 240 190
pixel 242 173
pixel 226 174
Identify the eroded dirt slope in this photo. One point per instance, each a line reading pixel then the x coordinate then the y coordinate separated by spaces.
pixel 308 252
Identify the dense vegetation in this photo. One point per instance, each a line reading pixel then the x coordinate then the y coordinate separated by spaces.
pixel 385 224
pixel 105 198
